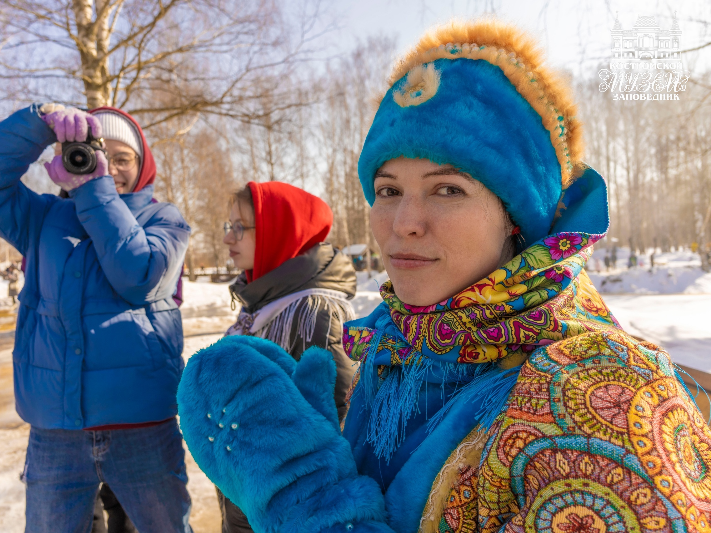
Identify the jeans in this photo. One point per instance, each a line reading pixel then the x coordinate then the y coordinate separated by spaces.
pixel 145 468
pixel 117 520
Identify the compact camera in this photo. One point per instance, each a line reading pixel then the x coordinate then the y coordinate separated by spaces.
pixel 80 157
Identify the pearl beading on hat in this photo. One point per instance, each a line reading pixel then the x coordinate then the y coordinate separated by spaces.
pixel 522 78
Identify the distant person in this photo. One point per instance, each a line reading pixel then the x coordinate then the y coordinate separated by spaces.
pixel 97 356
pixel 632 260
pixel 12 275
pixel 295 289
pixel 613 257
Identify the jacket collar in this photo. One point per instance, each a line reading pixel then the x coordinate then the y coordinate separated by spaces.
pixel 138 200
pixel 321 267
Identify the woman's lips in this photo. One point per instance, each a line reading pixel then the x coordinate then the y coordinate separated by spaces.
pixel 411 261
pixel 232 254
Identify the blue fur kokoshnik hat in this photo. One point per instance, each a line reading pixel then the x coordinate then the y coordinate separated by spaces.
pixel 478 97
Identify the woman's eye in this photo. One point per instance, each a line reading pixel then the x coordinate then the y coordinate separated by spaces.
pixel 449 190
pixel 386 192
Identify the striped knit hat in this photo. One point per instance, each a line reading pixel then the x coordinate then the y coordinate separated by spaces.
pixel 116 127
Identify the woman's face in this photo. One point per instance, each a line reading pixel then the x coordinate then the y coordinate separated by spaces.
pixel 123 165
pixel 439 230
pixel 242 251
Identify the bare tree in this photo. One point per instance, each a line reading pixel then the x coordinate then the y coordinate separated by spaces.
pixel 131 53
pixel 655 157
pixel 352 84
pixel 197 175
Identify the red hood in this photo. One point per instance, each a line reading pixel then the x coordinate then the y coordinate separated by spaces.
pixel 289 222
pixel 148 164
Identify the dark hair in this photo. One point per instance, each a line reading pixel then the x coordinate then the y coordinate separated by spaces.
pixel 514 244
pixel 242 197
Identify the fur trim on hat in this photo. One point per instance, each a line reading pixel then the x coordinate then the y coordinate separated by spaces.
pixel 522 61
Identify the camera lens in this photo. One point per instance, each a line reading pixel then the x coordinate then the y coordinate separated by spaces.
pixel 78 158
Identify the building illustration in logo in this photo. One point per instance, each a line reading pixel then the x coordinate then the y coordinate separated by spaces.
pixel 645 62
pixel 646 42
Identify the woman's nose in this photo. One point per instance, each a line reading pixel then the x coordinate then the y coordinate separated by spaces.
pixel 410 218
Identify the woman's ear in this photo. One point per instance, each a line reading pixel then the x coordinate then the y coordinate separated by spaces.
pixel 509 250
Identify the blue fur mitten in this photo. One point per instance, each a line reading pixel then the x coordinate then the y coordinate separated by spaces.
pixel 264 429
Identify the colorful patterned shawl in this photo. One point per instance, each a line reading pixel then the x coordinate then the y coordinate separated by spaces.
pixel 541 296
pixel 475 341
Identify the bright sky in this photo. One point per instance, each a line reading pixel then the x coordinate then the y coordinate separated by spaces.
pixel 573 31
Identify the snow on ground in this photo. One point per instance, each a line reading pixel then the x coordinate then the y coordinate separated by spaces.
pixel 370 281
pixel 12 491
pixel 660 280
pixel 5 300
pixel 204 299
pixel 676 272
pixel 680 323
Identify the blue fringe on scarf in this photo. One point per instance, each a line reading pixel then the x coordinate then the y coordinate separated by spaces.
pixel 699 388
pixel 396 400
pixel 394 404
pixel 489 391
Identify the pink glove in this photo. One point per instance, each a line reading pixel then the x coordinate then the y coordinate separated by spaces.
pixel 67 180
pixel 72 125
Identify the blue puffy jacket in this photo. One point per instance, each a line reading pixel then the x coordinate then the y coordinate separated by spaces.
pixel 99 338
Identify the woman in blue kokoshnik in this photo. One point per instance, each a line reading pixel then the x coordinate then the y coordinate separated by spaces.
pixel 496 392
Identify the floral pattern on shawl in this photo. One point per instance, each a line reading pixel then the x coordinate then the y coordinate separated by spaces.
pixel 541 296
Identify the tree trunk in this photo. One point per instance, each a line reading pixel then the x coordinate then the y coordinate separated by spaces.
pixel 191 263
pixel 93 46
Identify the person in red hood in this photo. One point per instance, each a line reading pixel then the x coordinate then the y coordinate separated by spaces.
pixel 295 288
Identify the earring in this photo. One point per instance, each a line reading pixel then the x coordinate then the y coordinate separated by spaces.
pixel 519 240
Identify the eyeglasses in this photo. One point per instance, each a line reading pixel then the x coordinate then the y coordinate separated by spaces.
pixel 123 162
pixel 237 229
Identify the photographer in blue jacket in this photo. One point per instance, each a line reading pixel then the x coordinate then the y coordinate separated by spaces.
pixel 97 356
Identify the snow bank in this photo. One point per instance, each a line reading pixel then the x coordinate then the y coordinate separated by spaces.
pixel 205 299
pixel 368 292
pixel 372 282
pixel 680 323
pixel 673 273
pixel 5 300
pixel 663 280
